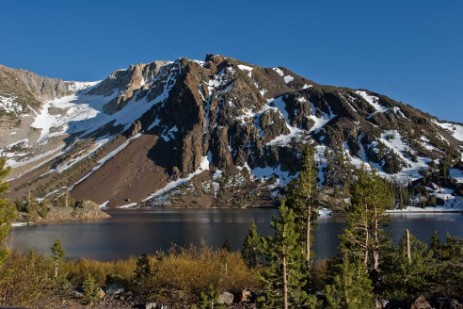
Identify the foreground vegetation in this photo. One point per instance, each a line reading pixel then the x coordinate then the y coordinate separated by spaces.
pixel 277 271
pixel 179 278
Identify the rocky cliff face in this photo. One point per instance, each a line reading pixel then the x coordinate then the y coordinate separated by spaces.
pixel 212 132
pixel 26 88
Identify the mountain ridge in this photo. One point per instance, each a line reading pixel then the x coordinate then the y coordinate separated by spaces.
pixel 154 125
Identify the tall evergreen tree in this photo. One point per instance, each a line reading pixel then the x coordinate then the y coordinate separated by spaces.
pixel 250 250
pixel 351 287
pixel 364 236
pixel 7 211
pixel 302 200
pixel 284 277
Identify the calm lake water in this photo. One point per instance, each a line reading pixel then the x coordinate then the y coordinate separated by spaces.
pixel 133 232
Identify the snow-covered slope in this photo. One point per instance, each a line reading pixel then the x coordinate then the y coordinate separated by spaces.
pixel 150 127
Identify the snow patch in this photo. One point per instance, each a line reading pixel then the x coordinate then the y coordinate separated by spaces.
pixel 288 79
pixel 373 101
pixel 204 166
pixel 319 122
pixel 456 130
pixel 78 86
pixel 279 71
pixel 246 68
pixel 9 105
pixel 306 86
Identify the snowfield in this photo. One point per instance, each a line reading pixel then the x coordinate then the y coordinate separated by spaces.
pixel 81 114
pixel 456 130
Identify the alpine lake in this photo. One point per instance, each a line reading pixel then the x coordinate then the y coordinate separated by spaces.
pixel 133 232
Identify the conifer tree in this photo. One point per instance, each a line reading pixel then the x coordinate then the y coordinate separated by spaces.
pixel 58 256
pixel 209 298
pixel 405 269
pixel 7 211
pixel 284 277
pixel 143 268
pixel 351 288
pixel 434 243
pixel 302 200
pixel 90 289
pixel 142 275
pixel 226 245
pixel 250 250
pixel 364 236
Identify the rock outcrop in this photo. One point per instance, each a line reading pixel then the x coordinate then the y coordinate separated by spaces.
pixel 190 132
pixel 87 210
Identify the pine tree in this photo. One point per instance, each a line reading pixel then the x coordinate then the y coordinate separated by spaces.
pixel 58 256
pixel 250 250
pixel 226 245
pixel 302 200
pixel 90 289
pixel 434 244
pixel 364 236
pixel 445 165
pixel 351 288
pixel 141 275
pixel 208 299
pixel 143 266
pixel 7 211
pixel 405 268
pixel 284 278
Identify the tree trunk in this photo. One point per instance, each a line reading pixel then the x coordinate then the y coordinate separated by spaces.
pixel 376 240
pixel 367 237
pixel 409 250
pixel 309 229
pixel 285 275
pixel 285 284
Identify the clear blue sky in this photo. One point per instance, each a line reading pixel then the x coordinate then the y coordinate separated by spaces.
pixel 410 50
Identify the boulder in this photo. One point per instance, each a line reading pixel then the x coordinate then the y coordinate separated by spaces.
pixel 247 296
pixel 446 303
pixel 101 294
pixel 225 298
pixel 421 303
pixel 114 289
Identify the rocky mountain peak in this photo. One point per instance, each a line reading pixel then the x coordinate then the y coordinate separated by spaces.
pixel 199 125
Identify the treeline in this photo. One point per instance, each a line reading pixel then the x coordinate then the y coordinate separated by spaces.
pixel 338 178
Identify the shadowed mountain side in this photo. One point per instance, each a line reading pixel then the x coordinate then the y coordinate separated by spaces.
pixel 130 176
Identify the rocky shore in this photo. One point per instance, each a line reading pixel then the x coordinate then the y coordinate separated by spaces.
pixel 87 210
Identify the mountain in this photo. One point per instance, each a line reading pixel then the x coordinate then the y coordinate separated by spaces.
pixel 212 132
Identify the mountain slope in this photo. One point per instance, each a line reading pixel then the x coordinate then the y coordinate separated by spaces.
pixel 201 132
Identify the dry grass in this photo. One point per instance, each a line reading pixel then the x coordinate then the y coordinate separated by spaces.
pixel 193 269
pixel 77 270
pixel 27 280
pixel 176 277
